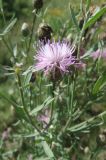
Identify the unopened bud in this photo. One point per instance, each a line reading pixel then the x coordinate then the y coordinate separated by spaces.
pixel 53 145
pixel 81 23
pixel 101 139
pixel 25 29
pixel 18 68
pixel 33 77
pixel 44 32
pixel 38 4
pixel 86 150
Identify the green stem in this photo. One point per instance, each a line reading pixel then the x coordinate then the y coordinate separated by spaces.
pixel 52 108
pixel 30 40
pixel 24 105
pixel 72 97
pixel 2 11
pixel 79 43
pixel 30 88
pixel 68 92
pixel 53 89
pixel 71 108
pixel 80 38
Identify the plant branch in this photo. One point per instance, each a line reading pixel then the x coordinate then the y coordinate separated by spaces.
pixel 23 103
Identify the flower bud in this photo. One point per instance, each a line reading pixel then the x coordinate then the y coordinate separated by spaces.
pixel 101 139
pixel 33 77
pixel 25 29
pixel 44 32
pixel 18 68
pixel 86 150
pixel 38 4
pixel 81 23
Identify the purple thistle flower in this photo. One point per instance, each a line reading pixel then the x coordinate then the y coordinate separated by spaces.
pixel 55 56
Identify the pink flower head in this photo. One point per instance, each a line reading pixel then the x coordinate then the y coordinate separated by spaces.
pixel 99 53
pixel 55 56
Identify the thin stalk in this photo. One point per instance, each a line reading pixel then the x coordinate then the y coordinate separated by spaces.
pixel 9 48
pixel 40 89
pixel 53 101
pixel 2 11
pixel 80 38
pixel 24 105
pixel 71 105
pixel 71 100
pixel 25 45
pixel 72 97
pixel 30 40
pixel 81 6
pixel 30 88
pixel 68 92
pixel 52 107
pixel 79 43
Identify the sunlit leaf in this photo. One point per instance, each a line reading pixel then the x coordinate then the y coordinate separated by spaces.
pixel 44 105
pixel 95 17
pixel 9 27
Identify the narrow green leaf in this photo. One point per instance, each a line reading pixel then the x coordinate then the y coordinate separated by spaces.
pixel 19 110
pixel 9 27
pixel 100 83
pixel 20 113
pixel 74 19
pixel 44 105
pixel 27 78
pixel 90 123
pixel 8 99
pixel 37 109
pixel 95 17
pixel 47 149
pixel 88 4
